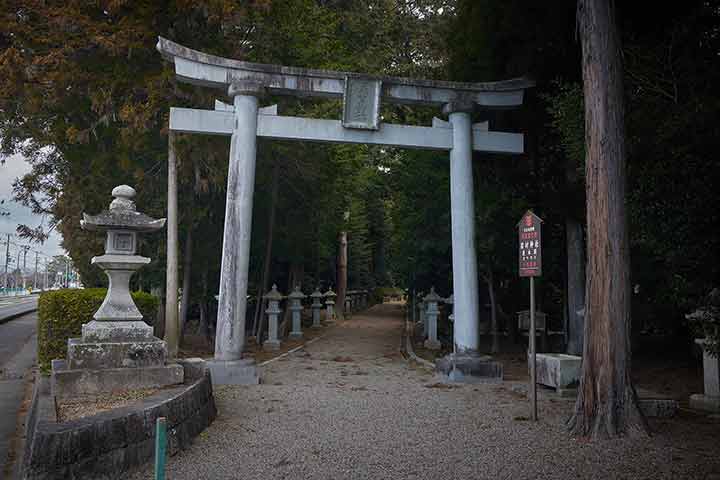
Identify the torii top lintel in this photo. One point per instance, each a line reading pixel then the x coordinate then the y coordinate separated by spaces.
pixel 204 69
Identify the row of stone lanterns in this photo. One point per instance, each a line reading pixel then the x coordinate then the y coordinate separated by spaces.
pixel 354 299
pixel 428 313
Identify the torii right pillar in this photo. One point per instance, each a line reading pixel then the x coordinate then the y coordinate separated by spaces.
pixel 466 364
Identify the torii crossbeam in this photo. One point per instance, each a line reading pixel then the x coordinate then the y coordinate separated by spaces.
pixel 362 96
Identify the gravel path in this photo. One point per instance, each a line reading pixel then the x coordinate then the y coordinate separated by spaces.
pixel 350 407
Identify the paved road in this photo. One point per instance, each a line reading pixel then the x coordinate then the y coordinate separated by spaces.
pixel 349 406
pixel 18 351
pixel 11 307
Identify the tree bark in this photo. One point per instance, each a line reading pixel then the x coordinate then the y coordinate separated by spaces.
pixel 187 277
pixel 265 279
pixel 607 404
pixel 342 265
pixel 575 286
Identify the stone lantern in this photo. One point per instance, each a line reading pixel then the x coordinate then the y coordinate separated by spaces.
pixel 296 307
pixel 330 305
pixel 117 349
pixel 421 313
pixel 348 304
pixel 316 307
pixel 431 316
pixel 274 298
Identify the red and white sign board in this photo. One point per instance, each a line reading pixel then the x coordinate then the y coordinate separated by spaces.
pixel 530 245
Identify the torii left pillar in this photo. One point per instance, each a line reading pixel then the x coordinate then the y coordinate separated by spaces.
pixel 228 366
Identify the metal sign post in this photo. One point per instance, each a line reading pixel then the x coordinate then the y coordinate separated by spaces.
pixel 530 265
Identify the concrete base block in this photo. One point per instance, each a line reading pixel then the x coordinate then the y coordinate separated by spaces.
pixel 132 354
pixel 432 344
pixel 566 392
pixel 99 332
pixel 557 369
pixel 705 402
pixel 233 372
pixel 75 383
pixel 467 368
pixel 271 345
pixel 295 335
pixel 194 368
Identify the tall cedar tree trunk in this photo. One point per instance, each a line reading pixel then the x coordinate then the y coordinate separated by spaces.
pixel 187 277
pixel 606 404
pixel 265 279
pixel 575 286
pixel 342 266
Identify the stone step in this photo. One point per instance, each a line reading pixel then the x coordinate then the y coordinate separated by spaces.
pixel 82 354
pixel 76 383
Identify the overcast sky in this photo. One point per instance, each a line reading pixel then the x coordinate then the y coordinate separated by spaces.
pixel 14 167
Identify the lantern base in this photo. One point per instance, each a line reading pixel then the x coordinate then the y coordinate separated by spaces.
pixel 469 367
pixel 233 372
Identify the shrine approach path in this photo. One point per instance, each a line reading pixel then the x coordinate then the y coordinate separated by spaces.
pixel 349 406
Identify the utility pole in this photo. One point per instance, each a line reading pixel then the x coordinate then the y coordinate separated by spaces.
pixel 35 279
pixel 7 260
pixel 22 272
pixel 17 283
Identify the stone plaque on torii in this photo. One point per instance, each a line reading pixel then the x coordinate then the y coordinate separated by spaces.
pixel 363 95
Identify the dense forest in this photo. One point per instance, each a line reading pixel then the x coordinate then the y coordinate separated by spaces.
pixel 84 97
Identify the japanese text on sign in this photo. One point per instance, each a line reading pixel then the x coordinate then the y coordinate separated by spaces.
pixel 530 251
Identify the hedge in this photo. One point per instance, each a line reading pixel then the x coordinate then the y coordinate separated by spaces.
pixel 61 314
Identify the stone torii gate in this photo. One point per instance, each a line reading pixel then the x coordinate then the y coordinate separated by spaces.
pixel 362 95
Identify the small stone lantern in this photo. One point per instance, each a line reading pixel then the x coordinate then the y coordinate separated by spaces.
pixel 117 350
pixel 316 307
pixel 421 313
pixel 274 298
pixel 330 305
pixel 296 307
pixel 348 304
pixel 431 315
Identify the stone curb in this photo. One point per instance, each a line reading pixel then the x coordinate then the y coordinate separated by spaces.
pixel 109 444
pixel 12 316
pixel 409 348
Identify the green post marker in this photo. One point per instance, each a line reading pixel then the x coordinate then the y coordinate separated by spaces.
pixel 160 443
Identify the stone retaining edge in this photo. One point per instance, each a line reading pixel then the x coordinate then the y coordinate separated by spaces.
pixel 109 444
pixel 409 347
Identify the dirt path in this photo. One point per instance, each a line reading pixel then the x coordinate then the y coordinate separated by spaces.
pixel 349 406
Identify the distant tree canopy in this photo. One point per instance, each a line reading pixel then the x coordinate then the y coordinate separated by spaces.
pixel 84 96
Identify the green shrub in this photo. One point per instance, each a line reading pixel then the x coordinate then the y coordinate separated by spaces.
pixel 61 314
